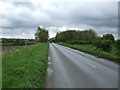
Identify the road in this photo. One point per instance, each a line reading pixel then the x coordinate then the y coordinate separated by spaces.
pixel 69 68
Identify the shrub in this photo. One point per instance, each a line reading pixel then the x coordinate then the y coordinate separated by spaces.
pixel 79 42
pixel 117 45
pixel 30 43
pixel 13 43
pixel 97 44
pixel 104 45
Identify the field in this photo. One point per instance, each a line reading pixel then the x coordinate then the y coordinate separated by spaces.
pixel 25 67
pixel 7 48
pixel 91 50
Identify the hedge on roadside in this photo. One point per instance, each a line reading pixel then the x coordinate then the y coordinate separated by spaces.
pixel 30 43
pixel 79 42
pixel 117 45
pixel 105 45
pixel 13 44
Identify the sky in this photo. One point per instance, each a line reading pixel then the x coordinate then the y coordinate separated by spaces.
pixel 20 19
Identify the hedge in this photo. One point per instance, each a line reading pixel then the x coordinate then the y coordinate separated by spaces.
pixel 105 45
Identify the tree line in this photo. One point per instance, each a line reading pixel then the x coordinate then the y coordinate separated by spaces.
pixel 70 35
pixel 80 37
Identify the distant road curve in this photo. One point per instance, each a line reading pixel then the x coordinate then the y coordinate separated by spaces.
pixel 69 68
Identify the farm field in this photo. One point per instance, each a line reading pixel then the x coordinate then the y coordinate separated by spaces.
pixel 6 48
pixel 25 67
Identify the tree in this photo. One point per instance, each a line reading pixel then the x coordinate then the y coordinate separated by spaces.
pixel 41 35
pixel 108 37
pixel 70 35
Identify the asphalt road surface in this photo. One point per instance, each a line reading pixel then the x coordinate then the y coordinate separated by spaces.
pixel 69 68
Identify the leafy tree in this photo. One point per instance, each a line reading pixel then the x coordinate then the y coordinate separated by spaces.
pixel 108 37
pixel 59 37
pixel 41 35
pixel 52 40
pixel 70 35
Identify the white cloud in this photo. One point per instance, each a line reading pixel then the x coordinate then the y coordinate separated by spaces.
pixel 19 19
pixel 18 33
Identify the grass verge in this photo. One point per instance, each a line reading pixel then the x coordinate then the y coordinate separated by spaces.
pixel 91 50
pixel 25 67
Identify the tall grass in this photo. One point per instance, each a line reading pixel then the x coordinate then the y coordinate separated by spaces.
pixel 25 67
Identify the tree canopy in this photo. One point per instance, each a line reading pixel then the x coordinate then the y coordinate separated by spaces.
pixel 41 35
pixel 69 35
pixel 108 37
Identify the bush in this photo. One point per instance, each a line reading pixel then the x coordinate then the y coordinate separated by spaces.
pixel 79 42
pixel 104 45
pixel 13 43
pixel 117 45
pixel 30 43
pixel 97 44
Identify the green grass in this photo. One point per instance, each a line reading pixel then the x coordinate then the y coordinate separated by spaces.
pixel 25 67
pixel 91 50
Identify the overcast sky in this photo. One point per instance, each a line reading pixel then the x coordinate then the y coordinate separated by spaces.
pixel 20 19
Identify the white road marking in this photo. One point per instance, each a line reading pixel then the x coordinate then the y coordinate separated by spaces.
pixel 90 65
pixel 48 58
pixel 49 63
pixel 49 70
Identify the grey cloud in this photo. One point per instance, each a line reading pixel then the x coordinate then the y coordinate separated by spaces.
pixel 18 33
pixel 94 14
pixel 56 15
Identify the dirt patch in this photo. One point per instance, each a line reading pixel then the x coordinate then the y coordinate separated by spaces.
pixel 9 48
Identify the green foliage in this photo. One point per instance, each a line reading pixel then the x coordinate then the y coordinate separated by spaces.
pixel 13 43
pixel 30 43
pixel 13 40
pixel 104 45
pixel 108 37
pixel 16 41
pixel 25 67
pixel 70 35
pixel 117 45
pixel 41 35
pixel 97 44
pixel 79 42
pixel 52 40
